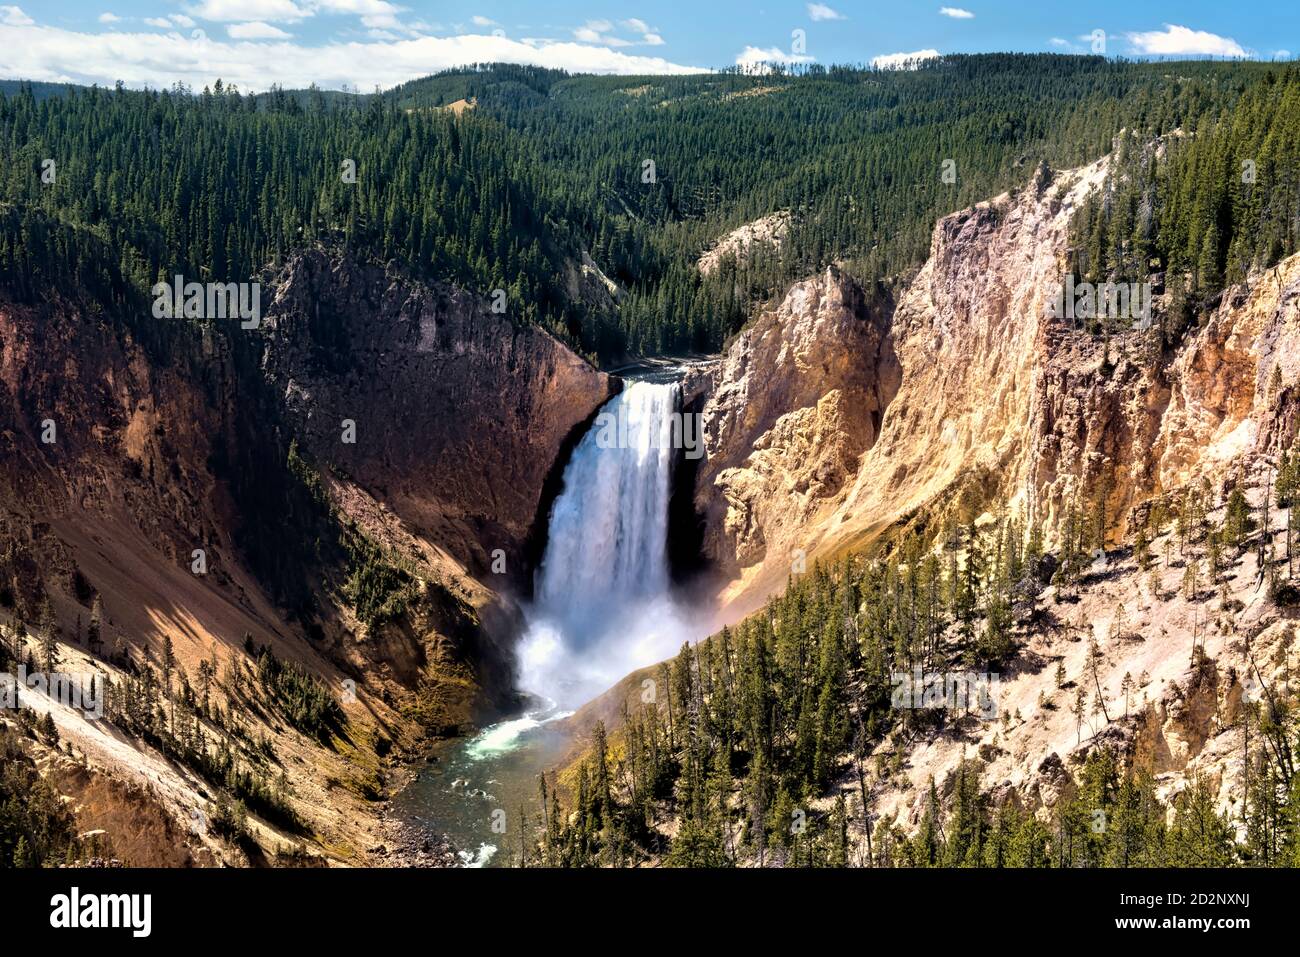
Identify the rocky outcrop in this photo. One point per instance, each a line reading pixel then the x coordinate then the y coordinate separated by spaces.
pixel 587 283
pixel 973 340
pixel 767 231
pixel 458 414
pixel 972 398
pixel 1142 424
pixel 990 404
pixel 942 392
pixel 1233 384
pixel 795 401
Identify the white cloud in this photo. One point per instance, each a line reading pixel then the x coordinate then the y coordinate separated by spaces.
pixel 754 57
pixel 1059 42
pixel 380 17
pixel 169 21
pixel 359 7
pixel 158 60
pixel 957 13
pixel 903 61
pixel 109 18
pixel 819 11
pixel 649 35
pixel 483 21
pixel 1281 54
pixel 601 32
pixel 598 31
pixel 256 30
pixel 14 17
pixel 383 21
pixel 246 10
pixel 1182 41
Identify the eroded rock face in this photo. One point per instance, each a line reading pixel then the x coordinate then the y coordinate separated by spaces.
pixel 1146 424
pixel 1224 399
pixel 980 394
pixel 878 422
pixel 96 439
pixel 459 414
pixel 106 516
pixel 973 398
pixel 459 418
pixel 796 400
pixel 989 404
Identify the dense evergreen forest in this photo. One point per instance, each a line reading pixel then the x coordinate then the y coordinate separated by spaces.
pixel 761 746
pixel 1201 207
pixel 644 173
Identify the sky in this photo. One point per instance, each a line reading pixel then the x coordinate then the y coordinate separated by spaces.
pixel 364 44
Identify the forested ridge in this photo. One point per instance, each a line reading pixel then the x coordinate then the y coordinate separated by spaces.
pixel 1202 207
pixel 220 185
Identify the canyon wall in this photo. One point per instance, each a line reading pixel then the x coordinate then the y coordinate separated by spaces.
pixel 971 400
pixel 127 446
pixel 460 414
pixel 795 402
pixel 970 397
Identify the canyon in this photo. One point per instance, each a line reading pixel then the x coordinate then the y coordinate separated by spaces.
pixel 418 439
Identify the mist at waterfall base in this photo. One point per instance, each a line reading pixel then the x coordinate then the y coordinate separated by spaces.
pixel 603 603
pixel 602 607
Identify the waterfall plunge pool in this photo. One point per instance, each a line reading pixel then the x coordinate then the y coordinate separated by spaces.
pixel 603 607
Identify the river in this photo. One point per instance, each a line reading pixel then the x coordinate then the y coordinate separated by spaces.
pixel 603 607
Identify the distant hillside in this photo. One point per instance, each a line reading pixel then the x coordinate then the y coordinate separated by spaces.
pixel 39 89
pixel 641 173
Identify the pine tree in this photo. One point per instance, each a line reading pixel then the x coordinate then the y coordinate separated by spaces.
pixel 49 644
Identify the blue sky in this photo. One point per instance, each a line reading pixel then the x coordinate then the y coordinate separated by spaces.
pixel 369 43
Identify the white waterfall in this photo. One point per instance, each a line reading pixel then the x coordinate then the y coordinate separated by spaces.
pixel 602 606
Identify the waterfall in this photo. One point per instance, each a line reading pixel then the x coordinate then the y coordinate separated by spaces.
pixel 602 605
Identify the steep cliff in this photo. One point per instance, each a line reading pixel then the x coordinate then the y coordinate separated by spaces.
pixel 107 490
pixel 795 402
pixel 970 397
pixel 459 414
